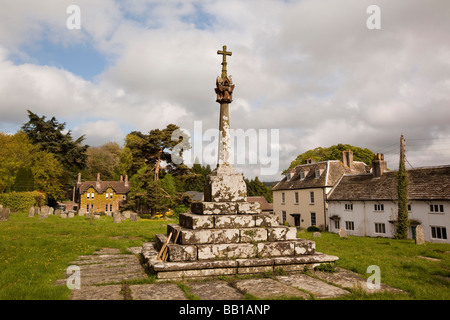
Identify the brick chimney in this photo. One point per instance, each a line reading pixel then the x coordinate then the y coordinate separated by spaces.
pixel 126 180
pixel 378 165
pixel 347 158
pixel 310 161
pixel 97 184
pixel 121 178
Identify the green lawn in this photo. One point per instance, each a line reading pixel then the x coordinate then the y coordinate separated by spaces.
pixel 35 252
pixel 399 261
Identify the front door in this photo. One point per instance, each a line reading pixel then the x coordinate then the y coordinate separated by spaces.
pixel 297 220
pixel 413 232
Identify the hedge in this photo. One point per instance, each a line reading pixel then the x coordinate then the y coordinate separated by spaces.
pixel 22 201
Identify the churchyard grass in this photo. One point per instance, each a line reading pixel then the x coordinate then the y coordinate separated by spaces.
pixel 35 252
pixel 403 264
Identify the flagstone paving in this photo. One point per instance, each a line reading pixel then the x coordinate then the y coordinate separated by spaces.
pixel 110 275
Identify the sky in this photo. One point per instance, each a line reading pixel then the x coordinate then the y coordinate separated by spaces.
pixel 307 73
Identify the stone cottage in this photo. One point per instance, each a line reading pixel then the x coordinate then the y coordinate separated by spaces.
pixel 366 204
pixel 101 196
pixel 300 198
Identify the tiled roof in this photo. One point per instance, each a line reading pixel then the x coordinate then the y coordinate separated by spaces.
pixel 330 173
pixel 118 186
pixel 427 183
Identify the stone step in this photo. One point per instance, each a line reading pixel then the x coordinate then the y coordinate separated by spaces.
pixel 212 208
pixel 193 252
pixel 235 235
pixel 198 221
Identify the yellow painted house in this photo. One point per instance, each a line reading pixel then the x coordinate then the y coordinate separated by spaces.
pixel 101 196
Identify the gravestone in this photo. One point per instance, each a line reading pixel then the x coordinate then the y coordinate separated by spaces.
pixel 134 216
pixel 43 212
pixel 226 234
pixel 420 236
pixel 126 214
pixel 316 234
pixel 342 233
pixel 70 214
pixel 50 211
pixel 4 214
pixel 64 215
pixel 31 212
pixel 58 212
pixel 82 212
pixel 117 217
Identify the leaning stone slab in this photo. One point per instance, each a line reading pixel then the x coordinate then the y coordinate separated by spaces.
pixel 305 259
pixel 420 236
pixel 193 265
pixel 203 273
pixel 31 212
pixel 318 288
pixel 196 221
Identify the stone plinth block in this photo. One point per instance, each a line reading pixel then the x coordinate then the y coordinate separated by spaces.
pixel 226 251
pixel 249 207
pixel 202 236
pixel 266 220
pixel 234 221
pixel 195 221
pixel 224 184
pixel 214 207
pixel 281 233
pixel 253 234
pixel 182 252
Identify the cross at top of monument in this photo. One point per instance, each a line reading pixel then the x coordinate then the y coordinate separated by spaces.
pixel 224 53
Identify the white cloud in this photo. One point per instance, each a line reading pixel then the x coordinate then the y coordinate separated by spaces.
pixel 309 68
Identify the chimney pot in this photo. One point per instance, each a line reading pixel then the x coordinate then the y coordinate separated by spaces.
pixel 126 180
pixel 378 165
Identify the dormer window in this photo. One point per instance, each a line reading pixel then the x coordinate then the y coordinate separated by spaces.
pixel 317 173
pixel 302 174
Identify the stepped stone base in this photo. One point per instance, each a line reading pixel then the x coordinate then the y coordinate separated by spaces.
pixel 216 267
pixel 229 238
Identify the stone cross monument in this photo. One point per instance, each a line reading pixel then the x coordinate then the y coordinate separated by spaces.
pixel 225 234
pixel 224 184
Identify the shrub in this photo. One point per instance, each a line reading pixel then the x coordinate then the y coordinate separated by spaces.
pixel 312 229
pixel 22 201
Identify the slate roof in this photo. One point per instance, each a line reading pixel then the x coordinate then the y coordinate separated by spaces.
pixel 426 183
pixel 330 173
pixel 265 206
pixel 118 186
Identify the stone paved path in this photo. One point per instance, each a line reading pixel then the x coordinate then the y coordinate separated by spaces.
pixel 104 276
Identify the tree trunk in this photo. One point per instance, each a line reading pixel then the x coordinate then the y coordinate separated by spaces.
pixel 158 163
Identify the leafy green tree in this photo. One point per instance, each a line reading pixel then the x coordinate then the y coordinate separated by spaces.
pixel 18 153
pixel 104 160
pixel 24 180
pixel 333 153
pixel 156 148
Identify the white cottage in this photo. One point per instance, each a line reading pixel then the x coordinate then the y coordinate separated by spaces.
pixel 366 204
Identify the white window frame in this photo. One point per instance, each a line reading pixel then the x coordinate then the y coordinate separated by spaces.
pixel 438 232
pixel 311 197
pixel 313 217
pixel 296 197
pixel 437 208
pixel 283 216
pixel 349 225
pixel 348 207
pixel 378 207
pixel 380 227
pixel 283 198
